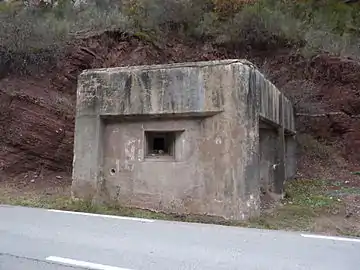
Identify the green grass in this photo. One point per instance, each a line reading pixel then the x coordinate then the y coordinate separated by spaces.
pixel 64 202
pixel 309 194
pixel 288 217
pixel 306 201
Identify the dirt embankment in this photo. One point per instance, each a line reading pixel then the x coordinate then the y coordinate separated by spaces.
pixel 37 112
pixel 326 94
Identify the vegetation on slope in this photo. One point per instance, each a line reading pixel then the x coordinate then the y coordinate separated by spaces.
pixel 35 35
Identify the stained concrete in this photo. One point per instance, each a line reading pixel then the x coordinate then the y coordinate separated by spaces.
pixel 268 157
pixel 213 109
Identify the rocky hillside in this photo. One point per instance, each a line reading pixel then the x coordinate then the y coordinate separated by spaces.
pixel 37 109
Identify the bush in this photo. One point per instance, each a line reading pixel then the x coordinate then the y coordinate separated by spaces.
pixel 32 36
pixel 257 25
pixel 227 8
pixel 26 41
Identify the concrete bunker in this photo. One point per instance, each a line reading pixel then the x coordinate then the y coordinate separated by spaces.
pixel 183 138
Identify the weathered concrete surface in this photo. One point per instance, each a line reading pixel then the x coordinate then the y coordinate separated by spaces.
pixel 214 109
pixel 268 139
pixel 290 156
pixel 270 101
pixel 270 158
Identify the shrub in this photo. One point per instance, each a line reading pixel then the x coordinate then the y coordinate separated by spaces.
pixel 26 41
pixel 31 36
pixel 230 7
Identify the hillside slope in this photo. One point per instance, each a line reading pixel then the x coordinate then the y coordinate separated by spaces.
pixel 37 112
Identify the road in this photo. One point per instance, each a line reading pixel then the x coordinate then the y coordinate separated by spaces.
pixel 39 239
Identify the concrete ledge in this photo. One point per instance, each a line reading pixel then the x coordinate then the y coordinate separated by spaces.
pixel 160 89
pixel 270 102
pixel 181 88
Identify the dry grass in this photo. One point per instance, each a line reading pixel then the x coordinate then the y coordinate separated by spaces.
pixel 308 207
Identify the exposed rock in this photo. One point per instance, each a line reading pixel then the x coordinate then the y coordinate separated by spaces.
pixel 37 113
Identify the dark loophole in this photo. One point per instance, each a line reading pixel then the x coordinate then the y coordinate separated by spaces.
pixel 159 144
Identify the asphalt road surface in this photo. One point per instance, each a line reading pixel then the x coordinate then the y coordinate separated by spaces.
pixel 38 239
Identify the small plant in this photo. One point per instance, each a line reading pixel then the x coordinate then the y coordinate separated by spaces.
pixel 309 193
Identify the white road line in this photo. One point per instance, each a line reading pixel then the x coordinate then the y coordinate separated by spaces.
pixel 103 216
pixel 331 238
pixel 87 265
